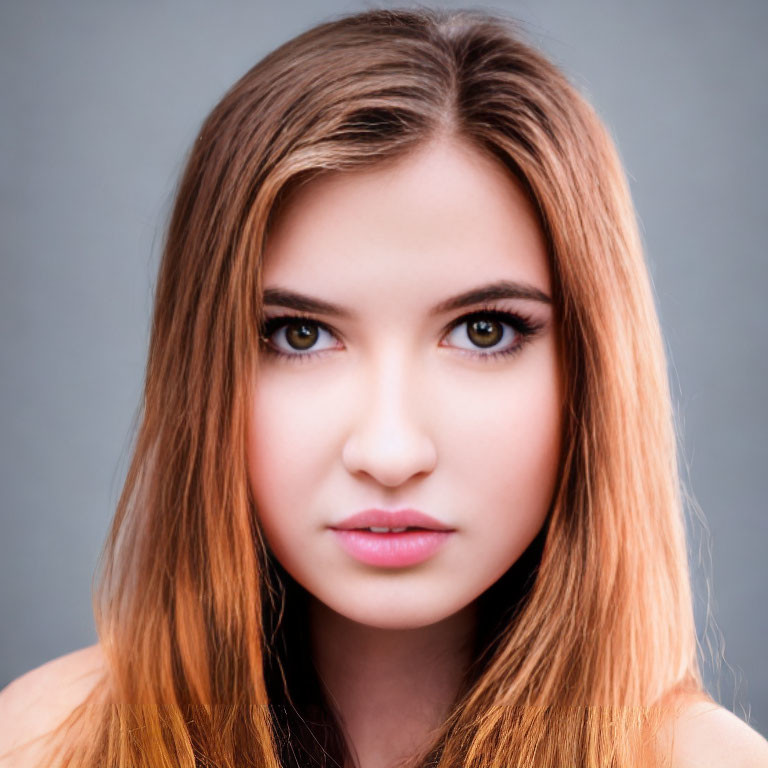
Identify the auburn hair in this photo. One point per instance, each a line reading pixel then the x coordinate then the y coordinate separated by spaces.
pixel 588 643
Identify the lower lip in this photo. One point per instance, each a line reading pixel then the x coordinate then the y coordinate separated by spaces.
pixel 391 550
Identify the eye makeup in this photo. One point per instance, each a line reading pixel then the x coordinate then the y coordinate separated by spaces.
pixel 523 325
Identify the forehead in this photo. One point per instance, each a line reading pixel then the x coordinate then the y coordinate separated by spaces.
pixel 433 222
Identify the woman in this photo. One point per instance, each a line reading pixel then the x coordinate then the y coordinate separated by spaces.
pixel 405 490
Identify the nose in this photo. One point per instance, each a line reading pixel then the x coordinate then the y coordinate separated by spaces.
pixel 388 440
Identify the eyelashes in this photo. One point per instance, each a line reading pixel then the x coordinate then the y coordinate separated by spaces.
pixel 523 327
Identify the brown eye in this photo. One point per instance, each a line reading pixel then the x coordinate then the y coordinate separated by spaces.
pixel 294 336
pixel 485 332
pixel 301 334
pixel 492 333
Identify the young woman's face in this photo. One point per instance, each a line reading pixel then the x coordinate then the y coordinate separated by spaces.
pixel 397 402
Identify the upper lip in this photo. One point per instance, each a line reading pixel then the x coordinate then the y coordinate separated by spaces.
pixel 396 518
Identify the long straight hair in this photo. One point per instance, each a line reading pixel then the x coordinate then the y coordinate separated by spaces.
pixel 588 642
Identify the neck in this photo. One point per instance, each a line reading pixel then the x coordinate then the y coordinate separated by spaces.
pixel 392 687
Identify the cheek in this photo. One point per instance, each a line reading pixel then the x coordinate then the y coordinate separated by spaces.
pixel 279 443
pixel 290 453
pixel 507 449
pixel 517 451
pixel 497 436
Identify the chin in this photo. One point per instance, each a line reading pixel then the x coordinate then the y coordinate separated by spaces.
pixel 398 614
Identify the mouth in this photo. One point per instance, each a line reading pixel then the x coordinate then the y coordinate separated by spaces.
pixel 391 547
pixel 384 529
pixel 391 538
pixel 382 521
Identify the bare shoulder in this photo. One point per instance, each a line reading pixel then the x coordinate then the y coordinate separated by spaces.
pixel 40 700
pixel 706 735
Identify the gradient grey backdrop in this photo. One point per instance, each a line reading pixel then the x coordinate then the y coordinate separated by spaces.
pixel 98 105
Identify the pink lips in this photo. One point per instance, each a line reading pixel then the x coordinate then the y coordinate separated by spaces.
pixel 391 549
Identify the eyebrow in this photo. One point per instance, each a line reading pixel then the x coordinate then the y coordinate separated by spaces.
pixel 501 289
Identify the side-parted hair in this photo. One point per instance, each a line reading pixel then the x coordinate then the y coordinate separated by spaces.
pixel 589 641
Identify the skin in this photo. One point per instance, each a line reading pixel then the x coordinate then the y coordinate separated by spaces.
pixel 393 411
pixel 392 418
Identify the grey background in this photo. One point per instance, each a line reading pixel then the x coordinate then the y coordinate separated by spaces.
pixel 99 104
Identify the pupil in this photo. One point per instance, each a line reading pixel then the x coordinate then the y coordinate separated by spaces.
pixel 485 333
pixel 303 333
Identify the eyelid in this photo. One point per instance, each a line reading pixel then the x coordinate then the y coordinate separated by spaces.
pixel 281 320
pixel 487 310
pixel 484 309
pixel 524 325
